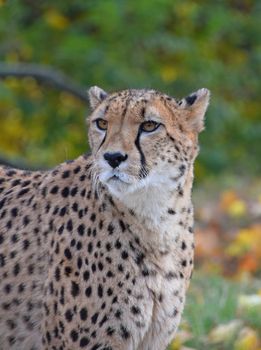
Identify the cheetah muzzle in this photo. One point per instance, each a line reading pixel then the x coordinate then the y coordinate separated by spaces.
pixel 98 253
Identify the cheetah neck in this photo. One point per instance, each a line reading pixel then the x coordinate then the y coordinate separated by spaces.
pixel 162 212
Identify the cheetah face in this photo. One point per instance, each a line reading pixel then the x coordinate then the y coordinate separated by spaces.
pixel 142 138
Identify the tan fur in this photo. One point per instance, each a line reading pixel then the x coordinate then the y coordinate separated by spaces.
pixel 95 257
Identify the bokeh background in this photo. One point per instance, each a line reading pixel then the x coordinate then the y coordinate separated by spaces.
pixel 51 52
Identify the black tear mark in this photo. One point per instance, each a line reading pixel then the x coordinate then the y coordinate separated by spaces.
pixel 143 170
pixel 191 99
pixel 103 141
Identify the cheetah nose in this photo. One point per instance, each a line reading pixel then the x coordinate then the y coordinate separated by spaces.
pixel 115 159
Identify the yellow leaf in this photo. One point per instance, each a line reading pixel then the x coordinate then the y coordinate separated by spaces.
pixel 181 337
pixel 224 333
pixel 168 73
pixel 232 204
pixel 247 241
pixel 237 208
pixel 56 20
pixel 247 339
pixel 175 345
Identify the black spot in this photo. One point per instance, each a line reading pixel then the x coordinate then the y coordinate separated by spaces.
pixel 183 245
pixel 110 331
pixel 68 271
pixel 57 274
pixel 118 244
pixel 66 174
pixel 184 263
pixel 16 269
pixel 100 266
pixel 22 192
pixel 54 190
pixel 69 225
pixel 108 259
pixel 93 217
pixel 94 318
pixel 104 319
pixel 135 310
pixel 110 229
pixel 2 203
pixel 110 274
pixel 139 258
pixel 7 288
pixel 15 182
pixel 118 314
pixel 79 262
pixel 65 192
pixel 81 229
pixel 125 334
pixel 84 341
pixel 83 314
pixel 68 315
pixel 124 255
pixel 14 212
pixel 108 246
pixel 180 192
pixel 100 291
pixel 86 275
pixel 109 292
pixel 88 291
pixel 77 170
pixel 175 312
pixel 120 268
pixel 74 335
pixel 170 275
pixel 74 191
pixel 90 247
pixel 82 177
pixel 171 211
pixel 26 244
pixel 63 211
pixel 21 288
pixel 145 272
pixel 75 289
pixel 11 324
pixel 122 225
pixel 93 267
pixel 68 253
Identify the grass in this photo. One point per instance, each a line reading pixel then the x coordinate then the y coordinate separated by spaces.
pixel 212 301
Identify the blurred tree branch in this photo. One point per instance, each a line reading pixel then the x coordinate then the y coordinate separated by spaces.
pixel 18 164
pixel 43 74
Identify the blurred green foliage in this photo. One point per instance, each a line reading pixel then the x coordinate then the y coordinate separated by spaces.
pixel 173 46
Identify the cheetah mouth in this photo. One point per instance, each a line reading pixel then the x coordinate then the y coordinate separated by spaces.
pixel 120 177
pixel 116 177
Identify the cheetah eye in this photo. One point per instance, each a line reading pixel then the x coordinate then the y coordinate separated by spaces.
pixel 149 126
pixel 101 124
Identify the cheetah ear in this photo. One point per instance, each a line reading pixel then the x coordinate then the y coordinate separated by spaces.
pixel 96 96
pixel 196 104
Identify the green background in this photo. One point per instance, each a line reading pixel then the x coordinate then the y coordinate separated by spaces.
pixel 173 46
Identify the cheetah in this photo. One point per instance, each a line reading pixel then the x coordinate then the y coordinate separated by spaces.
pixel 97 253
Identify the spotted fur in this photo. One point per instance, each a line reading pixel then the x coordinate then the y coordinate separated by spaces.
pixel 96 254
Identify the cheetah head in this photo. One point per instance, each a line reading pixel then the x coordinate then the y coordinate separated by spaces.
pixel 143 139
